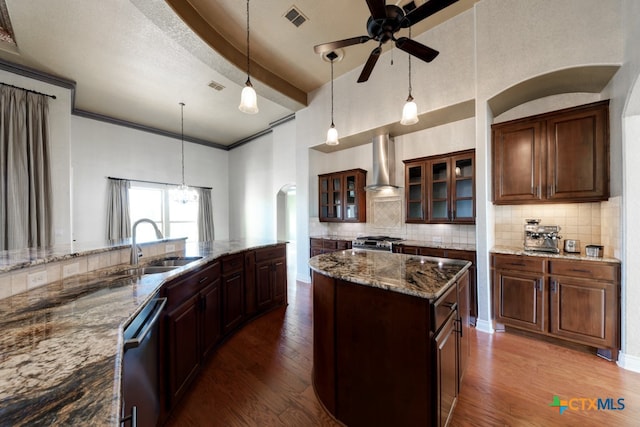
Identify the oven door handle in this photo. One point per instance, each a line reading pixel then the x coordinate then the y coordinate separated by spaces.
pixel 135 341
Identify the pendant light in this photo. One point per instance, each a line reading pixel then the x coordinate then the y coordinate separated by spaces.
pixel 332 133
pixel 410 109
pixel 248 97
pixel 184 194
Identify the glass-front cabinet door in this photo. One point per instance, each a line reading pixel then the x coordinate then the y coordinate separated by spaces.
pixel 463 196
pixel 439 191
pixel 342 196
pixel 350 197
pixel 414 192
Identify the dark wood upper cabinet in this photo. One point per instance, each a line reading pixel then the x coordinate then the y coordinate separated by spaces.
pixel 562 156
pixel 342 197
pixel 441 189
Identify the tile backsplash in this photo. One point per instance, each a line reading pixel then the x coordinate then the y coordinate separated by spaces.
pixel 591 223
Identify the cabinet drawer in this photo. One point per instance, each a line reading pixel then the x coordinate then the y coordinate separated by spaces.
pixel 183 288
pixel 232 263
pixel 330 244
pixel 586 269
pixel 444 306
pixel 343 244
pixel 434 252
pixel 518 263
pixel 316 243
pixel 268 254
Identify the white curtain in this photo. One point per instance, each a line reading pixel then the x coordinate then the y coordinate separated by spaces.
pixel 25 187
pixel 205 215
pixel 118 217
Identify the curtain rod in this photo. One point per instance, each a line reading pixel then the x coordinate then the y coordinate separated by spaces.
pixel 155 182
pixel 28 90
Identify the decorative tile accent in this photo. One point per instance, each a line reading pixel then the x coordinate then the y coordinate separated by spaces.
pixel 386 212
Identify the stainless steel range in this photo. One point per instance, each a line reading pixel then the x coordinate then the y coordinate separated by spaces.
pixel 541 238
pixel 377 243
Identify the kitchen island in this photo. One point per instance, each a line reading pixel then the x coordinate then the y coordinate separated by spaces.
pixel 61 344
pixel 390 336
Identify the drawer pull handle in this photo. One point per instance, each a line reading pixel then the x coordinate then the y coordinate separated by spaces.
pixel 204 279
pixel 518 264
pixel 578 270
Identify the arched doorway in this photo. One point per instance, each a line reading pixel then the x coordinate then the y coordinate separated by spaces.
pixel 286 222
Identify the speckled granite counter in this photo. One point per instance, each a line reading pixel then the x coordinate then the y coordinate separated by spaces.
pixel 420 276
pixel 507 250
pixel 346 238
pixel 426 244
pixel 60 346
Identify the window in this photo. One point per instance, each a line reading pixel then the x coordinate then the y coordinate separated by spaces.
pixel 157 202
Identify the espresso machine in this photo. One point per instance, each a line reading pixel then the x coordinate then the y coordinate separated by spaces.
pixel 541 238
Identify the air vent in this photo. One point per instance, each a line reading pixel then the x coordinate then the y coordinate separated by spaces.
pixel 216 86
pixel 295 16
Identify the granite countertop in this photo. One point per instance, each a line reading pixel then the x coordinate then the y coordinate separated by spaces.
pixel 508 250
pixel 15 259
pixel 334 237
pixel 421 276
pixel 61 344
pixel 453 246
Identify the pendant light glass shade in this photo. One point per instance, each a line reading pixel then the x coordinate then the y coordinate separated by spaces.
pixel 332 133
pixel 332 136
pixel 409 112
pixel 183 194
pixel 410 109
pixel 248 97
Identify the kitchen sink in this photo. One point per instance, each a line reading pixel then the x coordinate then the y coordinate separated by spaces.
pixel 141 271
pixel 175 261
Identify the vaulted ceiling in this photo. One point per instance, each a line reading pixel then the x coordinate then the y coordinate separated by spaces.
pixel 136 60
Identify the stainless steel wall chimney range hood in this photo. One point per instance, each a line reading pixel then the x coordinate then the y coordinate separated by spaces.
pixel 383 164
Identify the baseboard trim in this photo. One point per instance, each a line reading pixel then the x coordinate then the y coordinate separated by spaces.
pixel 628 362
pixel 484 326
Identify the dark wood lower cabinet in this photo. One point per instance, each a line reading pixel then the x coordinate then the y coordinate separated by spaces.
pixel 208 305
pixel 385 358
pixel 573 300
pixel 183 357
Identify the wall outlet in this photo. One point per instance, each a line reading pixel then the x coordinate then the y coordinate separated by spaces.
pixel 437 239
pixel 70 269
pixel 37 279
pixel 169 248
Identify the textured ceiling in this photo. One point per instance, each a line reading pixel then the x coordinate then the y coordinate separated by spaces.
pixel 136 60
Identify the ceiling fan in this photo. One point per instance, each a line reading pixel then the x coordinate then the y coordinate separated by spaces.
pixel 384 22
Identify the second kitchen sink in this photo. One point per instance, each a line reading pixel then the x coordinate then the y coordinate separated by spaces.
pixel 174 261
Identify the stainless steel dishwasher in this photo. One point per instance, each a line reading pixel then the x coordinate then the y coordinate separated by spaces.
pixel 140 372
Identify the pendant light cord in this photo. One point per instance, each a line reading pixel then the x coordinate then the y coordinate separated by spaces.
pixel 182 137
pixel 332 125
pixel 410 97
pixel 248 50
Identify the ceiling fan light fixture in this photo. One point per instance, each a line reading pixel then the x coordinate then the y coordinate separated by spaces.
pixel 409 112
pixel 248 97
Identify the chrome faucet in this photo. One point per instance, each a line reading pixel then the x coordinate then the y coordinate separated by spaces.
pixel 136 252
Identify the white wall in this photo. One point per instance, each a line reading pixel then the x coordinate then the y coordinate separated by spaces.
pixel 257 171
pixel 59 113
pixel 100 149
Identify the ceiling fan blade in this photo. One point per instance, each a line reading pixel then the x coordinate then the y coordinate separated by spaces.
pixel 426 10
pixel 368 67
pixel 416 49
pixel 328 47
pixel 377 8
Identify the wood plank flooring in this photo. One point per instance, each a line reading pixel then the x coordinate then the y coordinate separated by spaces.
pixel 262 377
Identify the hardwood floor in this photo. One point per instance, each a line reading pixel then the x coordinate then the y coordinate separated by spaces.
pixel 262 377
